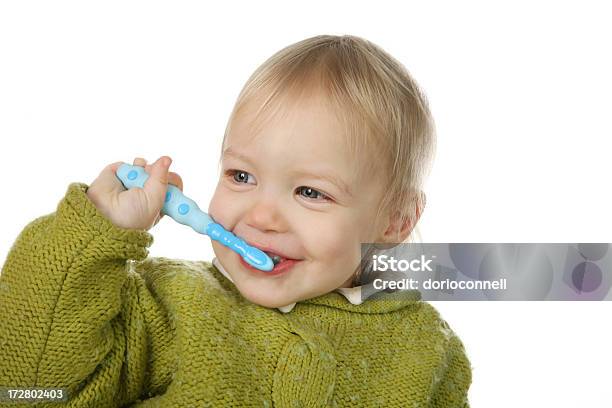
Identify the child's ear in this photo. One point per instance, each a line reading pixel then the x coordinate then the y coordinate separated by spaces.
pixel 397 230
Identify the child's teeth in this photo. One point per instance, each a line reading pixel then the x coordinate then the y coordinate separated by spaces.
pixel 276 259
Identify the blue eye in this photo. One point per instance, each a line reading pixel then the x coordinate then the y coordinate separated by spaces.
pixel 239 176
pixel 311 193
pixel 242 177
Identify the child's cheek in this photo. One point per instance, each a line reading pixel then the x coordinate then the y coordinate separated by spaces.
pixel 221 210
pixel 333 242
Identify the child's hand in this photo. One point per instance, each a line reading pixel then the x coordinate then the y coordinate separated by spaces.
pixel 135 208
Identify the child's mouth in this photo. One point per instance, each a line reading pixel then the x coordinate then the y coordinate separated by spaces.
pixel 281 264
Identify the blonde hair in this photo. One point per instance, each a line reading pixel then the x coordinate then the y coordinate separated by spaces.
pixel 380 105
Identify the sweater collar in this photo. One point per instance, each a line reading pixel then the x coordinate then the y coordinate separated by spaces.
pixel 353 295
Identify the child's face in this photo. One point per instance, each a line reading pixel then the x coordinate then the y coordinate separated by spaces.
pixel 272 194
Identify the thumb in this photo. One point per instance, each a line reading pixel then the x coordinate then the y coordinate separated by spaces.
pixel 157 183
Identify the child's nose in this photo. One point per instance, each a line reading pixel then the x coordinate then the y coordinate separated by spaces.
pixel 265 216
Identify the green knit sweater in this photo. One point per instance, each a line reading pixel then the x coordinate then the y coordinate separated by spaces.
pixel 158 332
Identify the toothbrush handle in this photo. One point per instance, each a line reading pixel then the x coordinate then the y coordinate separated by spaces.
pixel 176 205
pixel 185 211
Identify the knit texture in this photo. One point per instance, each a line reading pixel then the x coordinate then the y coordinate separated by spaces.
pixel 83 307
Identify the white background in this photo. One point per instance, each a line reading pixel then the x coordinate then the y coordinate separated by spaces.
pixel 520 92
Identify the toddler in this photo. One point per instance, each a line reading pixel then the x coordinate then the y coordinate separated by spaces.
pixel 326 148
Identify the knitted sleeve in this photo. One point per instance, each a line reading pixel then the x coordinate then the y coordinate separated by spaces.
pixel 72 316
pixel 455 375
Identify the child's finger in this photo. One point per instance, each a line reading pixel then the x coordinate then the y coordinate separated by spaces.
pixel 157 183
pixel 139 161
pixel 114 166
pixel 173 178
pixel 176 180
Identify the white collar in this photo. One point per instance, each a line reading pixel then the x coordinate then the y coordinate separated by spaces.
pixel 353 295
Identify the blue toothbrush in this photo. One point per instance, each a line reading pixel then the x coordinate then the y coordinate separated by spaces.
pixel 185 211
